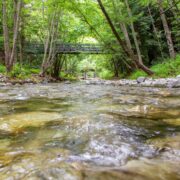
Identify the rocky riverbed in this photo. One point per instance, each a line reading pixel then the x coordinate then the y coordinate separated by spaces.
pixel 140 82
pixel 89 132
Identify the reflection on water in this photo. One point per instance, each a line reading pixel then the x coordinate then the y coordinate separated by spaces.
pixel 81 132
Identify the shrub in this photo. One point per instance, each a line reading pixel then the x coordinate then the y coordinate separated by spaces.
pixel 169 68
pixel 34 71
pixel 2 69
pixel 106 74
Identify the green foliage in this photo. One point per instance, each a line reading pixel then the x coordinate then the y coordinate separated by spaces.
pixel 22 72
pixel 86 65
pixel 2 69
pixel 169 68
pixel 82 21
pixel 137 74
pixel 69 77
pixel 106 74
pixel 34 70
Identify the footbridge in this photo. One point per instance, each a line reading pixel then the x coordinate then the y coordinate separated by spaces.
pixel 64 48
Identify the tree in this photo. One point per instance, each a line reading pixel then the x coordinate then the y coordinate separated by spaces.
pixel 133 32
pixel 125 48
pixel 155 31
pixel 10 52
pixel 50 44
pixel 166 30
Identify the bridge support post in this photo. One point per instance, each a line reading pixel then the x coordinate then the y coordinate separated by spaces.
pixel 85 75
pixel 94 74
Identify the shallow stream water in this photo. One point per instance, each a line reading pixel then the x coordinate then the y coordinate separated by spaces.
pixel 85 132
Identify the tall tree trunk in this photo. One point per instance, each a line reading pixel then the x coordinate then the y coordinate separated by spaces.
pixel 10 53
pixel 116 69
pixel 57 66
pixel 50 45
pixel 122 25
pixel 17 7
pixel 125 48
pixel 21 36
pixel 155 32
pixel 167 30
pixel 126 35
pixel 123 28
pixel 133 32
pixel 6 35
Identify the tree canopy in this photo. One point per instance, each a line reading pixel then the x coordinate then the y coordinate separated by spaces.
pixel 134 34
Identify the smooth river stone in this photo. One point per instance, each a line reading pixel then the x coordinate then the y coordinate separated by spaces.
pixel 174 122
pixel 151 169
pixel 15 122
pixel 172 142
pixel 143 111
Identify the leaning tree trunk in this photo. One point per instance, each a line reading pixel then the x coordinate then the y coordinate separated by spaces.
pixel 166 30
pixel 125 48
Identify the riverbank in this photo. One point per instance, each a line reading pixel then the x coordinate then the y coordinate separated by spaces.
pixel 139 82
pixel 33 79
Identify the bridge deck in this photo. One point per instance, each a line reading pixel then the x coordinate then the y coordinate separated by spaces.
pixel 67 48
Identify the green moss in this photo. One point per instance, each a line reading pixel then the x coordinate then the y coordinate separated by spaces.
pixel 169 68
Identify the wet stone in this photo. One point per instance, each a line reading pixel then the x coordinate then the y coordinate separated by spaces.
pixel 100 130
pixel 141 79
pixel 15 122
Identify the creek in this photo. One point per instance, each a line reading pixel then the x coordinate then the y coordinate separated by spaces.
pixel 89 132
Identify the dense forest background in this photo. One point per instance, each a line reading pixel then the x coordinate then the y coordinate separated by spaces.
pixel 138 37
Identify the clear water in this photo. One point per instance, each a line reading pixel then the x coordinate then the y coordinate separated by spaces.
pixel 80 132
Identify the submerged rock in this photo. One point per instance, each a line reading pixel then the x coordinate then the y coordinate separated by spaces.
pixel 14 123
pixel 170 146
pixel 145 168
pixel 142 111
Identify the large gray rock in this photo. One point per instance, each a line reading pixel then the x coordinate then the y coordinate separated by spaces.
pixel 141 79
pixel 160 82
pixel 174 83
